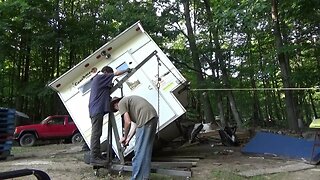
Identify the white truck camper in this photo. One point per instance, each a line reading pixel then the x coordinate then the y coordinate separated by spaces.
pixel 154 77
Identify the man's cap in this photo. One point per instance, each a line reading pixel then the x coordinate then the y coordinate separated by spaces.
pixel 113 101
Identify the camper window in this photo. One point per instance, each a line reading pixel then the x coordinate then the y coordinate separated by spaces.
pixel 132 82
pixel 85 87
pixel 122 67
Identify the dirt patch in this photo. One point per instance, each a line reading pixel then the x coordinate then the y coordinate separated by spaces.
pixel 65 161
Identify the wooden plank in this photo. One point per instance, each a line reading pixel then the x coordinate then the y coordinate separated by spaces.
pixel 170 172
pixel 169 159
pixel 174 164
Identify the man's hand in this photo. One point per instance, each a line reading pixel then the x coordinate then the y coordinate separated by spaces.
pixel 127 142
pixel 124 141
pixel 129 70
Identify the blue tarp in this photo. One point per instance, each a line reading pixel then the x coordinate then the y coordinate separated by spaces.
pixel 265 143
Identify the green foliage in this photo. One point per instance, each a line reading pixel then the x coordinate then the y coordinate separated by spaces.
pixel 40 40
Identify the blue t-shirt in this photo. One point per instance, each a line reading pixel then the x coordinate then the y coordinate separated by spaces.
pixel 99 101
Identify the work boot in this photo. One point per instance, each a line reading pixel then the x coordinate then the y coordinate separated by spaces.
pixel 98 162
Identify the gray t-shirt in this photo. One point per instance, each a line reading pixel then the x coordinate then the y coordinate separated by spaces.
pixel 139 109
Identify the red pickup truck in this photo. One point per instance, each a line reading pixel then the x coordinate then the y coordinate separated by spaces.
pixel 53 127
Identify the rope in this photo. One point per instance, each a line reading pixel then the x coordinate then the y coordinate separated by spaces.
pixel 254 89
pixel 158 91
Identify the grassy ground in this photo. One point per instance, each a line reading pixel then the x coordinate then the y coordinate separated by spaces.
pixel 217 162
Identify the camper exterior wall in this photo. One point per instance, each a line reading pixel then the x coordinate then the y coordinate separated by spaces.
pixel 74 88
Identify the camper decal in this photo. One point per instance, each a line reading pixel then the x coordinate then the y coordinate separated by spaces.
pixel 92 72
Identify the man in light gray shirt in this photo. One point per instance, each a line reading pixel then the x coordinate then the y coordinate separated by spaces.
pixel 137 111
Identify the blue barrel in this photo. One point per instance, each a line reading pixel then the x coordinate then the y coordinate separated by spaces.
pixel 7 117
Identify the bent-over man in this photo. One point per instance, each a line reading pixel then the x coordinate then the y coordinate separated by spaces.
pixel 137 110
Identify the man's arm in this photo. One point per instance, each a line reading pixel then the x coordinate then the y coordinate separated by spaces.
pixel 118 73
pixel 132 132
pixel 127 124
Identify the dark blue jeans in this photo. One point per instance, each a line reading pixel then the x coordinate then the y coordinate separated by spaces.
pixel 141 162
pixel 96 133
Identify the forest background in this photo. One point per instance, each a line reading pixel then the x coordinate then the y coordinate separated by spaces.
pixel 249 62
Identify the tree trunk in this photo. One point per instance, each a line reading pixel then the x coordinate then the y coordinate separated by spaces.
pixel 219 57
pixel 26 70
pixel 256 116
pixel 267 104
pixel 209 117
pixel 313 106
pixel 277 101
pixel 285 70
pixel 214 65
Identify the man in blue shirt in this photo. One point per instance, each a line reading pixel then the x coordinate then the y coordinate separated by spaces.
pixel 99 105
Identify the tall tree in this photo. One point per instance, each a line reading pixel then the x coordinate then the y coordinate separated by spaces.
pixel 285 69
pixel 209 117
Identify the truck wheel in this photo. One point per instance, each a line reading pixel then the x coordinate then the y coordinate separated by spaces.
pixel 76 138
pixel 27 140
